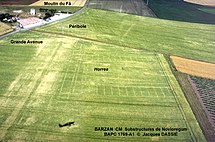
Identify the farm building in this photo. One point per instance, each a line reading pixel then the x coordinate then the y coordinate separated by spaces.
pixel 17 11
pixel 32 11
pixel 29 22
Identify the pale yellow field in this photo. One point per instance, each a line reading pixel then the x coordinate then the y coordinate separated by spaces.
pixel 4 28
pixel 202 2
pixel 192 67
pixel 79 3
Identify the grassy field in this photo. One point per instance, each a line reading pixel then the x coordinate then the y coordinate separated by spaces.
pixel 137 7
pixel 183 11
pixel 195 41
pixel 4 28
pixel 55 83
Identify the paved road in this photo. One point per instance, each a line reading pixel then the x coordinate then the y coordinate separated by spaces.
pixel 45 23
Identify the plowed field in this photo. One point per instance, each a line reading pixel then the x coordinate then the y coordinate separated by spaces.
pixel 192 67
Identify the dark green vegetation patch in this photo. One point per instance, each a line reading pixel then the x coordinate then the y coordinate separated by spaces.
pixel 180 10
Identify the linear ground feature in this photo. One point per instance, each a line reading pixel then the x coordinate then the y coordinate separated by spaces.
pixel 147 33
pixel 58 84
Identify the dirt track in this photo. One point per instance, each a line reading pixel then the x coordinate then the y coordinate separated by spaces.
pixel 202 2
pixel 137 7
pixel 196 68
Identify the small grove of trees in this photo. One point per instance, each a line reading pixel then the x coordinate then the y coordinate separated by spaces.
pixel 7 17
pixel 50 12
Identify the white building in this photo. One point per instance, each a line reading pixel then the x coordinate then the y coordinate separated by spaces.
pixel 17 11
pixel 32 11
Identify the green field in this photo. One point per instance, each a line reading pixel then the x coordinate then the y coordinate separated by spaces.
pixel 58 84
pixel 55 82
pixel 183 11
pixel 189 40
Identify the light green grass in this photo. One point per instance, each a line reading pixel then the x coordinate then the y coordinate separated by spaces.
pixel 195 41
pixel 55 83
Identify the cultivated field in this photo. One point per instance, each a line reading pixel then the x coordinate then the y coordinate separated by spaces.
pixel 195 41
pixel 78 3
pixel 196 68
pixel 137 7
pixel 205 91
pixel 181 10
pixel 202 2
pixel 4 28
pixel 55 82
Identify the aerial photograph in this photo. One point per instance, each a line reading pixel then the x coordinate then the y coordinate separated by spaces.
pixel 107 70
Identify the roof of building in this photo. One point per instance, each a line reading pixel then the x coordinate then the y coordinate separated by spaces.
pixel 29 21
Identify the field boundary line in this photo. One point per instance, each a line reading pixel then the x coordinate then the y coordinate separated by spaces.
pixel 169 81
pixel 93 40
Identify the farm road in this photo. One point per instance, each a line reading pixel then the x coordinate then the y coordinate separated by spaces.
pixel 137 7
pixel 19 30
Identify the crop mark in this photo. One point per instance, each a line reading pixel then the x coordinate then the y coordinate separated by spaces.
pixel 77 69
pixel 168 78
pixel 32 86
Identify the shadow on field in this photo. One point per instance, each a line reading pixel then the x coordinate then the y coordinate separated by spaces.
pixel 180 10
pixel 67 124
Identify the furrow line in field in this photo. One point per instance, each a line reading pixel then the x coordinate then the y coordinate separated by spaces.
pixel 31 87
pixel 171 84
